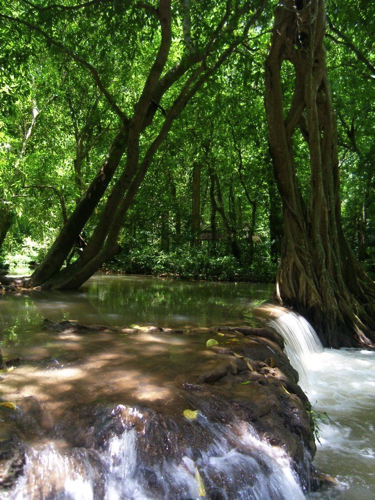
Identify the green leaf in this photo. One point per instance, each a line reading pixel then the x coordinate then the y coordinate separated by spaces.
pixel 211 342
pixel 190 414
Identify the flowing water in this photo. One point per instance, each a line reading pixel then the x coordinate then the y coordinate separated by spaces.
pixel 341 387
pixel 80 383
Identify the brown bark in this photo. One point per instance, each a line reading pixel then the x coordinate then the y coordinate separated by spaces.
pixel 6 219
pixel 196 205
pixel 318 273
pixel 230 230
pixel 213 214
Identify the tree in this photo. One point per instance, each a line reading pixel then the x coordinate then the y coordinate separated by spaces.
pixel 318 273
pixel 163 88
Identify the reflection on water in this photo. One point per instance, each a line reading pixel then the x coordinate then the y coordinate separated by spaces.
pixel 126 300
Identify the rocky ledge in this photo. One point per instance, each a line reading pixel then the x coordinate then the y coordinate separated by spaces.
pixel 241 383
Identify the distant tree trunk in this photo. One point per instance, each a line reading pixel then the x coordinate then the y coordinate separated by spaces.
pixel 229 229
pixel 6 219
pixel 165 242
pixel 196 205
pixel 176 207
pixel 213 214
pixel 318 273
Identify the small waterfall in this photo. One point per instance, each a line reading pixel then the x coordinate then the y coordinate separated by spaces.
pixel 301 342
pixel 139 464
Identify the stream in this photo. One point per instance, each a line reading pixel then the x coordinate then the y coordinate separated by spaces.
pixel 60 375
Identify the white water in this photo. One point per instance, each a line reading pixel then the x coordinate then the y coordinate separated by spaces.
pixel 342 384
pixel 263 472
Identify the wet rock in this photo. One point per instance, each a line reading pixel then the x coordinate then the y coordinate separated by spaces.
pixel 242 385
pixel 265 332
pixel 12 455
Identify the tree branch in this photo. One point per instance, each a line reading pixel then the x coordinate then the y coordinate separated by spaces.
pixel 65 7
pixel 148 7
pixel 58 194
pixel 346 41
pixel 78 59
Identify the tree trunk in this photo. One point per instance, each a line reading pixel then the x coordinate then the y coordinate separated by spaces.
pixel 213 214
pixel 63 244
pixel 6 219
pixel 318 273
pixel 196 206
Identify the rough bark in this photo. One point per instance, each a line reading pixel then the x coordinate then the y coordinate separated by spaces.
pixel 318 273
pixel 196 205
pixel 6 219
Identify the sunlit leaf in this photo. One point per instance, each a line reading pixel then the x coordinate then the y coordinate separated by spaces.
pixel 211 342
pixel 190 414
pixel 11 406
pixel 201 488
pixel 221 334
pixel 238 355
pixel 246 383
pixel 249 366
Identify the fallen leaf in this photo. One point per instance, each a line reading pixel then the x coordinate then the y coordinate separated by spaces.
pixel 202 491
pixel 6 404
pixel 211 342
pixel 246 383
pixel 221 334
pixel 285 389
pixel 190 414
pixel 238 355
pixel 249 366
pixel 10 369
pixel 272 362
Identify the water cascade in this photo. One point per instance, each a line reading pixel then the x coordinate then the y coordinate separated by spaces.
pixel 232 463
pixel 302 344
pixel 340 385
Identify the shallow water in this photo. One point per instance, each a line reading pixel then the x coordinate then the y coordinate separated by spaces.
pixel 141 300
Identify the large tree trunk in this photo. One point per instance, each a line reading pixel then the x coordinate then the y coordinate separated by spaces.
pixel 318 273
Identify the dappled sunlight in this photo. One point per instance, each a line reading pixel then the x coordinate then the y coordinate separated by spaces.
pixel 66 368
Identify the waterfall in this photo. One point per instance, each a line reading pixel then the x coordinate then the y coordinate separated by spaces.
pixel 235 463
pixel 341 388
pixel 301 343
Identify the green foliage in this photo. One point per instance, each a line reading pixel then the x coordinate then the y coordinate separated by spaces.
pixel 189 263
pixel 56 129
pixel 317 419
